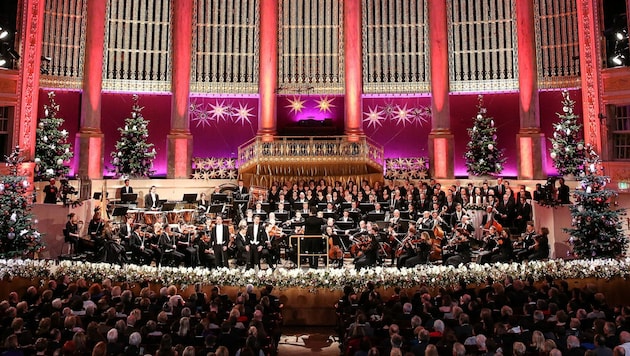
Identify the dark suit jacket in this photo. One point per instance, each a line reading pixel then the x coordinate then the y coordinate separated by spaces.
pixel 262 234
pixel 126 190
pixel 148 201
pixel 226 234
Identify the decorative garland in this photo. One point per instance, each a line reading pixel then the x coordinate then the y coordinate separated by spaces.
pixel 312 279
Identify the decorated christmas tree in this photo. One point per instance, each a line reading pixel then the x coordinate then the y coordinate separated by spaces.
pixel 133 156
pixel 596 230
pixel 482 154
pixel 52 150
pixel 567 148
pixel 18 236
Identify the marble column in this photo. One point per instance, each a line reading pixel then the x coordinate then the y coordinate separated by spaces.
pixel 268 69
pixel 354 70
pixel 89 142
pixel 179 139
pixel 441 139
pixel 530 141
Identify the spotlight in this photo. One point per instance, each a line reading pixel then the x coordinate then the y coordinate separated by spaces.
pixel 2 61
pixel 46 59
pixel 619 59
pixel 4 33
pixel 621 35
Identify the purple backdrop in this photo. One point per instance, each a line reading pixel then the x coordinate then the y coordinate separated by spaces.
pixel 400 124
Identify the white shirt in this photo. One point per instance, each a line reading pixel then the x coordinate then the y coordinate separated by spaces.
pixel 219 234
pixel 255 235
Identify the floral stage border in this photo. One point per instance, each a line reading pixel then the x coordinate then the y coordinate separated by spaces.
pixel 312 279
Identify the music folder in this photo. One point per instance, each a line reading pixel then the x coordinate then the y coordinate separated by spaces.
pixel 98 195
pixel 189 197
pixel 168 206
pixel 219 197
pixel 215 208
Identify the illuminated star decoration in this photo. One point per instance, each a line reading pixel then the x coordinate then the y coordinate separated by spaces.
pixel 202 118
pixel 243 114
pixel 219 111
pixel 374 117
pixel 296 104
pixel 402 115
pixel 324 104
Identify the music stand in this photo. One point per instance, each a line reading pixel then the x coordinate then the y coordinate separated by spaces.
pixel 384 205
pixel 119 211
pixel 215 208
pixel 404 214
pixel 345 205
pixel 190 198
pixel 365 207
pixel 322 206
pixel 219 197
pixel 329 215
pixel 129 197
pixel 297 206
pixel 356 216
pixel 98 195
pixel 168 206
pixel 373 217
pixel 284 216
pixel 345 225
pixel 266 207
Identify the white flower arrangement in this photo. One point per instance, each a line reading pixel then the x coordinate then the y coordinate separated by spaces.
pixel 313 279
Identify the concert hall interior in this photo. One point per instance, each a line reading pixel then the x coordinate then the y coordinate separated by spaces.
pixel 306 147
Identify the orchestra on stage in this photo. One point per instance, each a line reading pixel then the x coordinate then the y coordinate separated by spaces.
pixel 316 224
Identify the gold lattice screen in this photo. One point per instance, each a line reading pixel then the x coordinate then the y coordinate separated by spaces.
pixel 226 46
pixel 310 48
pixel 483 45
pixel 395 46
pixel 137 41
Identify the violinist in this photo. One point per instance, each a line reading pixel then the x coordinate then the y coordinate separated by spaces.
pixel 242 248
pixel 95 234
pixel 406 249
pixel 370 248
pixel 425 222
pixel 490 245
pixel 275 236
pixel 186 243
pixel 143 254
pixel 522 246
pixel 206 253
pixel 422 251
pixel 220 236
pixel 395 221
pixel 72 229
pixel 126 229
pixel 460 249
pixel 168 244
pixel 540 249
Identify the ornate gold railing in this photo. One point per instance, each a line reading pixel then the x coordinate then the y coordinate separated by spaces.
pixel 302 157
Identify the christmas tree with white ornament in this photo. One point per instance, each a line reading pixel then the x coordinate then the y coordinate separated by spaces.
pixel 596 227
pixel 52 150
pixel 133 156
pixel 567 147
pixel 483 156
pixel 18 236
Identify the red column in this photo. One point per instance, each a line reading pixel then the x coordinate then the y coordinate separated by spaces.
pixel 590 68
pixel 441 140
pixel 89 140
pixel 353 68
pixel 31 30
pixel 530 141
pixel 268 69
pixel 179 138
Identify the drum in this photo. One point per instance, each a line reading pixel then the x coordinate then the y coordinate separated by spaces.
pixel 152 217
pixel 172 217
pixel 187 215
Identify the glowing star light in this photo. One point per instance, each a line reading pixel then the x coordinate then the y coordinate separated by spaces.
pixel 374 117
pixel 324 104
pixel 402 115
pixel 219 111
pixel 201 118
pixel 243 114
pixel 296 104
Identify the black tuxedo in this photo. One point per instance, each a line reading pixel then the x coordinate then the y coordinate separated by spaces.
pixel 256 236
pixel 456 218
pixel 149 201
pixel 136 244
pixel 126 190
pixel 220 255
pixel 168 248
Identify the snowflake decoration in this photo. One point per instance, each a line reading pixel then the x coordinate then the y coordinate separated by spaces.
pixel 243 114
pixel 196 175
pixel 324 104
pixel 389 109
pixel 202 118
pixel 220 111
pixel 374 117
